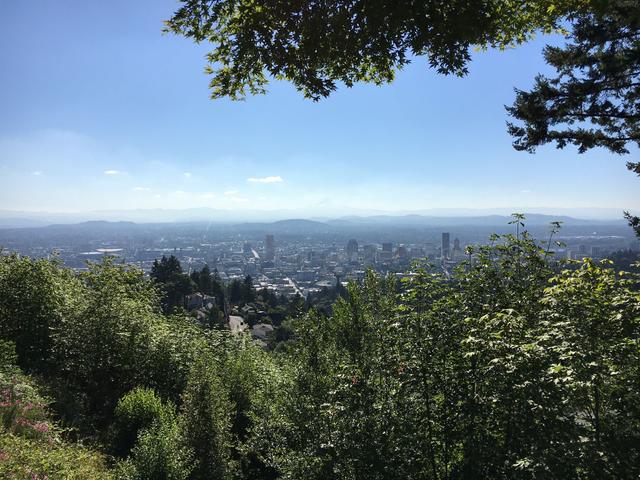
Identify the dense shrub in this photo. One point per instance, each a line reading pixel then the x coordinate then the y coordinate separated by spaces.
pixel 35 296
pixel 138 410
pixel 32 446
pixel 514 366
pixel 206 421
pixel 159 454
pixel 30 459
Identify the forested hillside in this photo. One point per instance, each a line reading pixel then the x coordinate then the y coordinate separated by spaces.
pixel 514 367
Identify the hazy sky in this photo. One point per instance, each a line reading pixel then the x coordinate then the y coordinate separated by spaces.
pixel 99 110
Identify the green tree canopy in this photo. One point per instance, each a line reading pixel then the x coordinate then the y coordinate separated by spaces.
pixel 315 44
pixel 594 101
pixel 248 292
pixel 174 283
pixel 163 270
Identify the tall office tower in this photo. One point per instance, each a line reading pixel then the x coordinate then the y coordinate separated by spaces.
pixel 387 247
pixel 370 253
pixel 269 248
pixel 352 249
pixel 445 251
pixel 457 250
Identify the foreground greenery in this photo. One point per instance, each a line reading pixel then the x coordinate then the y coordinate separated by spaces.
pixel 513 367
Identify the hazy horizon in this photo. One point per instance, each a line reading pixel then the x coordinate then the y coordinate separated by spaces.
pixel 122 120
pixel 10 218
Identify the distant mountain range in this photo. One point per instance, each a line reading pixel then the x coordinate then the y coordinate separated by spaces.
pixel 17 222
pixel 297 226
pixel 484 220
pixel 331 216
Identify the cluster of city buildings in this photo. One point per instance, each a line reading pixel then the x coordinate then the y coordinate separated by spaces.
pixel 287 264
pixel 302 267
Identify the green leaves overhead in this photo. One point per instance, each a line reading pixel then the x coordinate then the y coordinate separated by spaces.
pixel 595 99
pixel 316 44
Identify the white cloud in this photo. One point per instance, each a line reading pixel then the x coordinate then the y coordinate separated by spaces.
pixel 239 199
pixel 187 174
pixel 112 172
pixel 37 173
pixel 525 191
pixel 271 179
pixel 157 195
pixel 208 195
pixel 231 193
pixel 141 189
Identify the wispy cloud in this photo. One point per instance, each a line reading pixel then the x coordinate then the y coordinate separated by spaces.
pixel 112 172
pixel 141 189
pixel 208 195
pixel 271 179
pixel 232 196
pixel 37 173
pixel 178 192
pixel 187 174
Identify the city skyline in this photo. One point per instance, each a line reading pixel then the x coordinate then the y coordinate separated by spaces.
pixel 299 257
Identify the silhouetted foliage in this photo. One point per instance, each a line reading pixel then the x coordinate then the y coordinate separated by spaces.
pixel 268 297
pixel 174 284
pixel 234 291
pixel 595 99
pixel 248 293
pixel 136 411
pixel 324 299
pixel 208 283
pixel 626 260
pixel 316 44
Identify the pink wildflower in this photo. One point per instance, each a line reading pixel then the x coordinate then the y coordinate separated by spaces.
pixel 41 427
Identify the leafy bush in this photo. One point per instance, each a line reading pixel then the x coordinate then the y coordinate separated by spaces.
pixel 514 366
pixel 159 454
pixel 8 356
pixel 31 444
pixel 35 296
pixel 206 421
pixel 136 411
pixel 23 410
pixel 32 459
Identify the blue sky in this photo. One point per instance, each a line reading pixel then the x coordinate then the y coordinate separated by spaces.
pixel 99 110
